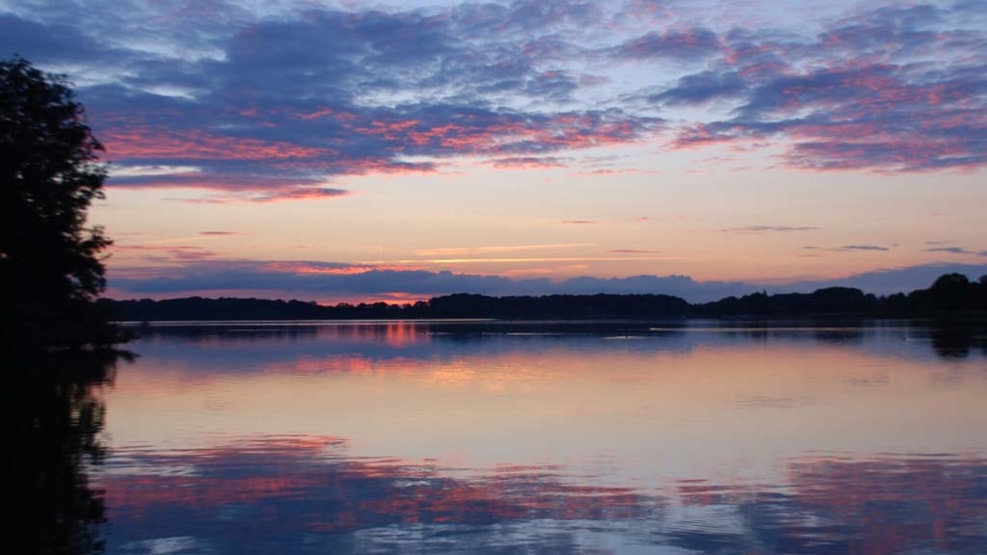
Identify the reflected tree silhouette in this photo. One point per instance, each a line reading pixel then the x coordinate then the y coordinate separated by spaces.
pixel 951 343
pixel 54 416
pixel 957 340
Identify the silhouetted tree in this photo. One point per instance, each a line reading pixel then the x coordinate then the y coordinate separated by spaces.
pixel 952 292
pixel 50 266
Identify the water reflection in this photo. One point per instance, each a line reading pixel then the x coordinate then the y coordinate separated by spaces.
pixel 53 415
pixel 305 489
pixel 301 494
pixel 485 438
pixel 958 341
pixel 949 340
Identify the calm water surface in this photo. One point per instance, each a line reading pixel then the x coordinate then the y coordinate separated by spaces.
pixel 462 438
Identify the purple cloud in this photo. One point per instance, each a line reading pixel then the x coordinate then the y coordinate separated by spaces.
pixel 851 248
pixel 307 279
pixel 862 95
pixel 957 250
pixel 685 44
pixel 300 99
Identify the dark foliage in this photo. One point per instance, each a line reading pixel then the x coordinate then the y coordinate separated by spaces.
pixel 49 174
pixel 198 308
pixel 832 300
pixel 581 307
pixel 949 296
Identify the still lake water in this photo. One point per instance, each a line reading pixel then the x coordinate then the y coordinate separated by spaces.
pixel 400 437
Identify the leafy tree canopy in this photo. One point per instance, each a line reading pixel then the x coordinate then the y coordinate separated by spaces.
pixel 50 261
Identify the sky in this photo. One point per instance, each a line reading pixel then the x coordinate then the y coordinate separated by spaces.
pixel 345 151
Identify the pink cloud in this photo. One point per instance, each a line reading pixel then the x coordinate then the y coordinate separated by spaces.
pixel 193 144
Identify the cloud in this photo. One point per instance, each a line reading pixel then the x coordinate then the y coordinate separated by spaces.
pixel 769 228
pixel 325 92
pixel 862 95
pixel 307 279
pixel 265 196
pixel 528 162
pixel 890 280
pixel 579 222
pixel 702 87
pixel 956 250
pixel 300 95
pixel 300 193
pixel 851 248
pixel 50 41
pixel 328 280
pixel 168 254
pixel 686 44
pixel 848 248
pixel 459 251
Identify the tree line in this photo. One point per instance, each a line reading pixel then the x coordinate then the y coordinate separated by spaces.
pixel 949 295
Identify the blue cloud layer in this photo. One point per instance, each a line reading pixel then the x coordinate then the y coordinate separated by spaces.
pixel 328 280
pixel 291 97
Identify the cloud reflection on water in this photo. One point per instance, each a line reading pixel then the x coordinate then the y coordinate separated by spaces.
pixel 390 437
pixel 296 493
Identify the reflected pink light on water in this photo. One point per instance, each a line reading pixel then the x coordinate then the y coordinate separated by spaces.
pixel 774 439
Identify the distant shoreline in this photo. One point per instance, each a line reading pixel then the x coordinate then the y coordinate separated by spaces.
pixel 951 296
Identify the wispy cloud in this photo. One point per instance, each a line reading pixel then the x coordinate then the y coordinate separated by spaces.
pixel 266 196
pixel 851 248
pixel 528 162
pixel 169 254
pixel 957 250
pixel 685 44
pixel 456 251
pixel 848 248
pixel 769 228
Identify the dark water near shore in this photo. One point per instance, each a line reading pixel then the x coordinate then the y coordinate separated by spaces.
pixel 463 438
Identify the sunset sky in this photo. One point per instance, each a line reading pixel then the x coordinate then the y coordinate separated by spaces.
pixel 356 151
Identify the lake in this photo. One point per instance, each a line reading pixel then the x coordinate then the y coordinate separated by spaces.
pixel 469 437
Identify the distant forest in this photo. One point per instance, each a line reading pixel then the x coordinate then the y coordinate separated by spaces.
pixel 950 295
